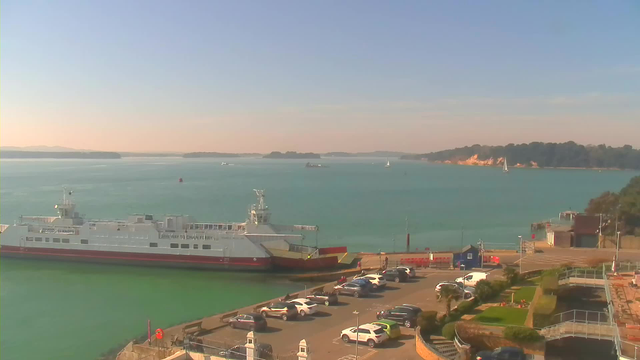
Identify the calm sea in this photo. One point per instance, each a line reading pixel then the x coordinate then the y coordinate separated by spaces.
pixel 79 311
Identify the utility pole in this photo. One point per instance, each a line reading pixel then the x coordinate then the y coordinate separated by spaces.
pixel 520 237
pixel 408 236
pixel 357 330
pixel 461 238
pixel 617 245
pixel 481 249
pixel 600 226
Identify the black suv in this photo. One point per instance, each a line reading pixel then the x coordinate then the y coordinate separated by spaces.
pixel 352 289
pixel 251 322
pixel 321 297
pixel 394 275
pixel 407 315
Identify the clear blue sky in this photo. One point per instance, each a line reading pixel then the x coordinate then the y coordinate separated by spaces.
pixel 317 76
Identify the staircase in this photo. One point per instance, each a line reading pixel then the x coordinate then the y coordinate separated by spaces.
pixel 446 348
pixel 600 331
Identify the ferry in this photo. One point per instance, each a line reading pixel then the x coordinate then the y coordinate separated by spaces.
pixel 169 240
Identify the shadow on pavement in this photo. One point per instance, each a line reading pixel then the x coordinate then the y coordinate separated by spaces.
pixel 271 329
pixel 321 314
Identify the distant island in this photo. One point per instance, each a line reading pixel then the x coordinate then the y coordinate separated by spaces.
pixel 291 155
pixel 391 154
pixel 209 155
pixel 13 154
pixel 538 154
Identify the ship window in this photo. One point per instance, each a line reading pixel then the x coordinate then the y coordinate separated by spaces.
pixel 66 241
pixel 84 241
pixel 148 217
pixel 153 244
pixel 174 245
pixel 195 246
pixel 38 239
pixel 56 240
pixel 184 246
pixel 206 247
pixel 29 238
pixel 46 239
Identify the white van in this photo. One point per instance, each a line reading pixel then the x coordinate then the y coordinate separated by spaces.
pixel 472 278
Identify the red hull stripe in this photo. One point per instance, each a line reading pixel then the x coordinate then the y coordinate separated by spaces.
pixel 92 254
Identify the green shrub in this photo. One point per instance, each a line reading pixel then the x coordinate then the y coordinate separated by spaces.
pixel 466 307
pixel 484 290
pixel 542 320
pixel 521 334
pixel 499 286
pixel 428 322
pixel 449 331
pixel 549 284
pixel 546 304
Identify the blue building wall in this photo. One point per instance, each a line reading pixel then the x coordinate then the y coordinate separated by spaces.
pixel 469 258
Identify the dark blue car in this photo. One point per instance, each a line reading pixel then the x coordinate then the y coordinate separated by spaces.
pixel 365 283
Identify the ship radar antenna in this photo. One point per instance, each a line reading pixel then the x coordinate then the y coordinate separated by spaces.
pixel 260 194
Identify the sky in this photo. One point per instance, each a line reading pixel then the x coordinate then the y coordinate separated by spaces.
pixel 261 76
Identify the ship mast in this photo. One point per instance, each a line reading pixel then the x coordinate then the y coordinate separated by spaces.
pixel 259 213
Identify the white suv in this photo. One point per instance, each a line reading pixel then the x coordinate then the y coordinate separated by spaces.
pixel 371 334
pixel 377 280
pixel 304 306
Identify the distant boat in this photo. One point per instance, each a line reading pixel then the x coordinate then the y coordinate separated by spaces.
pixel 224 163
pixel 310 165
pixel 180 180
pixel 388 164
pixel 505 168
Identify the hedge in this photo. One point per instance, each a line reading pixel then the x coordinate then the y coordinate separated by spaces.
pixel 466 307
pixel 546 304
pixel 521 334
pixel 449 331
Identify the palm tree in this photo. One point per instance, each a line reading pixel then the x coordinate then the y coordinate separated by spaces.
pixel 449 294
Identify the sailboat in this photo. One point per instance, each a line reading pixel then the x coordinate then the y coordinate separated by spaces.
pixel 505 168
pixel 388 164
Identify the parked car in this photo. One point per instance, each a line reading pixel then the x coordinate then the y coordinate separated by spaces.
pixel 403 315
pixel 394 275
pixel 239 352
pixel 468 291
pixel 502 353
pixel 304 306
pixel 472 278
pixel 283 310
pixel 411 272
pixel 352 289
pixel 370 334
pixel 378 281
pixel 365 283
pixel 251 322
pixel 321 297
pixel 390 327
pixel 413 308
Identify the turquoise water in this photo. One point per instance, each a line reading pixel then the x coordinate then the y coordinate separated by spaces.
pixel 79 311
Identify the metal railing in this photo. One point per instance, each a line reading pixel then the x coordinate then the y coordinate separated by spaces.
pixel 571 328
pixel 582 277
pixel 582 316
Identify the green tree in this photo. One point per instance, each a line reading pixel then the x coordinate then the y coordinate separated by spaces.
pixel 511 274
pixel 449 294
pixel 484 290
pixel 427 320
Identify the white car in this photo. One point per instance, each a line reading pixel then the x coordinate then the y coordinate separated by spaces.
pixel 468 292
pixel 472 278
pixel 371 334
pixel 304 306
pixel 377 280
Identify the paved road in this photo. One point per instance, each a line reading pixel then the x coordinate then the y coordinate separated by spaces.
pixel 322 330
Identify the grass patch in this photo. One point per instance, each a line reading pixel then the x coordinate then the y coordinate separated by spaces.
pixel 503 316
pixel 525 293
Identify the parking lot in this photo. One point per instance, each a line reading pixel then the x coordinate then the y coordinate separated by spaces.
pixel 322 330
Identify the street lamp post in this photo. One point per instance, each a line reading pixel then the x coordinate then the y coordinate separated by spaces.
pixel 357 331
pixel 520 238
pixel 617 244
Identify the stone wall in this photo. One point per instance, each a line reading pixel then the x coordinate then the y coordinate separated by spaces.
pixel 626 242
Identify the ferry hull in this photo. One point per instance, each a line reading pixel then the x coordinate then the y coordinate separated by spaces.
pixel 138 259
